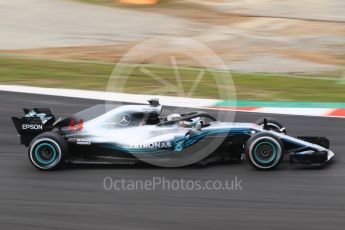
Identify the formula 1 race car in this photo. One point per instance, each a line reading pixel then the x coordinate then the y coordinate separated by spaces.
pixel 139 133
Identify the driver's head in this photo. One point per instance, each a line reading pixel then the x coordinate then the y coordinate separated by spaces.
pixel 174 117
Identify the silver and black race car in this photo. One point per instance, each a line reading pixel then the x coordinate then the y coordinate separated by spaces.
pixel 140 133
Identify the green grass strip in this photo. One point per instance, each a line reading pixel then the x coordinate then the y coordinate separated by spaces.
pixel 282 104
pixel 251 87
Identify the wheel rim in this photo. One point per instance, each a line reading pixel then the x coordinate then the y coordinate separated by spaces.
pixel 45 153
pixel 271 159
pixel 40 158
pixel 265 152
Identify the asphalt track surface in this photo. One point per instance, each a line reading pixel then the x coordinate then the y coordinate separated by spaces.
pixel 74 198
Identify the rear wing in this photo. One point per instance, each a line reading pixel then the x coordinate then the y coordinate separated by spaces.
pixel 34 122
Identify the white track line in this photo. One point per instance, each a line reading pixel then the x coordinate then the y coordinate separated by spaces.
pixel 165 100
pixel 110 96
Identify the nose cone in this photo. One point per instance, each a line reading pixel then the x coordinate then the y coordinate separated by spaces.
pixel 330 155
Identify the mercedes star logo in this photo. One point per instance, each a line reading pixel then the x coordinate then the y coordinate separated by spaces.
pixel 124 120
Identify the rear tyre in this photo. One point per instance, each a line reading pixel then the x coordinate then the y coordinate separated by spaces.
pixel 264 151
pixel 272 124
pixel 48 151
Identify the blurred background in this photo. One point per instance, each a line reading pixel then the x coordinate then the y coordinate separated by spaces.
pixel 276 50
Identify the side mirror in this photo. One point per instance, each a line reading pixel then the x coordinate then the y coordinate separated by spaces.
pixel 198 126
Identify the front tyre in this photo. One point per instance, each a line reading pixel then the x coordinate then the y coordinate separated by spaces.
pixel 264 151
pixel 48 151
